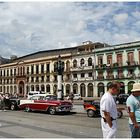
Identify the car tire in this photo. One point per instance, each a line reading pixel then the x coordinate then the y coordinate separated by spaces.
pixel 27 109
pixel 52 110
pixel 119 114
pixel 117 102
pixel 12 107
pixel 90 113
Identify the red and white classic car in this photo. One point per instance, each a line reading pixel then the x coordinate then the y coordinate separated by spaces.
pixel 46 103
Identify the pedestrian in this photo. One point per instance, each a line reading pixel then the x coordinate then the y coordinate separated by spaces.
pixel 133 107
pixel 3 102
pixel 108 111
pixel 71 96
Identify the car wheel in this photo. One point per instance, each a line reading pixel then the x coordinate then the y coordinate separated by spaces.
pixel 52 110
pixel 27 109
pixel 117 102
pixel 12 107
pixel 90 113
pixel 119 114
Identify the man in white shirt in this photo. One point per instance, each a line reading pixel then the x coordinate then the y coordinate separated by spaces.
pixel 108 111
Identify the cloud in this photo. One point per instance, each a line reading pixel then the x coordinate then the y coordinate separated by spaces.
pixel 120 19
pixel 27 27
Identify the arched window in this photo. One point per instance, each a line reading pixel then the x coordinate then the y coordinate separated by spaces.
pixel 82 62
pixel 42 88
pixel 32 87
pixel 55 89
pixel 68 65
pixel 90 90
pixel 101 89
pixel 55 67
pixel 47 88
pixel 67 89
pixel 37 87
pixel 90 62
pixel 75 88
pixel 83 90
pixel 74 63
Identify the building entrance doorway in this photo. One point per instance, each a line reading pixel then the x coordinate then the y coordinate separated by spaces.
pixel 21 88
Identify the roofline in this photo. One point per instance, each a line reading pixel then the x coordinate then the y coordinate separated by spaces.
pixel 61 49
pixel 126 43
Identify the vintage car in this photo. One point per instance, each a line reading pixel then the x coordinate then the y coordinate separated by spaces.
pixel 42 102
pixel 93 108
pixel 121 98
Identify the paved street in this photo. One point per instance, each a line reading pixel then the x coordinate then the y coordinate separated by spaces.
pixel 20 124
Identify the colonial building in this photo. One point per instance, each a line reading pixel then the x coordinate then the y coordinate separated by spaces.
pixel 89 68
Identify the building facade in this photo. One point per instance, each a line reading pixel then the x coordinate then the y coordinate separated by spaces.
pixel 89 68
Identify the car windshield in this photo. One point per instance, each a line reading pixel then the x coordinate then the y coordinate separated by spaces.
pixel 51 97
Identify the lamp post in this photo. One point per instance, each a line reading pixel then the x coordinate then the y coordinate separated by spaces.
pixel 60 70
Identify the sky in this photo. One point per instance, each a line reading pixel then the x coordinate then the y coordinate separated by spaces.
pixel 29 27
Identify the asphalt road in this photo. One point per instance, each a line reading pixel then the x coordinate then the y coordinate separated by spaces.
pixel 20 124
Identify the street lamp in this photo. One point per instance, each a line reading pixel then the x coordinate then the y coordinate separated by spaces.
pixel 60 70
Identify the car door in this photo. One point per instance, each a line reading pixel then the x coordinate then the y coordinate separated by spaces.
pixel 40 103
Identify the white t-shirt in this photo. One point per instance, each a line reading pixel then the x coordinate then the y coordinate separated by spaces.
pixel 108 104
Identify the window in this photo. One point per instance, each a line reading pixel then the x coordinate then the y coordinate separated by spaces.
pixel 48 88
pixel 48 68
pixel 32 79
pixel 109 59
pixel 68 76
pixel 82 75
pixel 42 68
pixel 55 77
pixel 37 79
pixel 48 78
pixel 4 73
pixel 82 62
pixel 37 69
pixel 100 60
pixel 90 62
pixel 27 70
pixel 11 72
pixel 7 72
pixel 90 74
pixel 75 63
pixel 74 75
pixel 68 65
pixel 55 67
pixel 130 57
pixel 42 78
pixel 119 59
pixel 14 71
pixel 32 69
pixel 27 79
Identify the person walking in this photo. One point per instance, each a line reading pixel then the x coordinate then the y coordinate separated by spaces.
pixel 3 102
pixel 133 107
pixel 108 111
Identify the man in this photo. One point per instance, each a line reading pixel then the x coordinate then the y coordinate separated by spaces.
pixel 133 106
pixel 108 111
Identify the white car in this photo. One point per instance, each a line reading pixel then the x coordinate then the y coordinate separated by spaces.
pixel 77 97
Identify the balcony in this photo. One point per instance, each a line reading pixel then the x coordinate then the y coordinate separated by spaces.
pixel 120 76
pixel 129 76
pixel 110 77
pixel 100 77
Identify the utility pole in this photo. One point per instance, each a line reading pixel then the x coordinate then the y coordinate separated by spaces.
pixel 60 70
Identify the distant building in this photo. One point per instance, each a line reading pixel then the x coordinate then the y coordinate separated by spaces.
pixel 89 68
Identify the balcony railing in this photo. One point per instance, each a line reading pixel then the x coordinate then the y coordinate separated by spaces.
pixel 110 77
pixel 100 77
